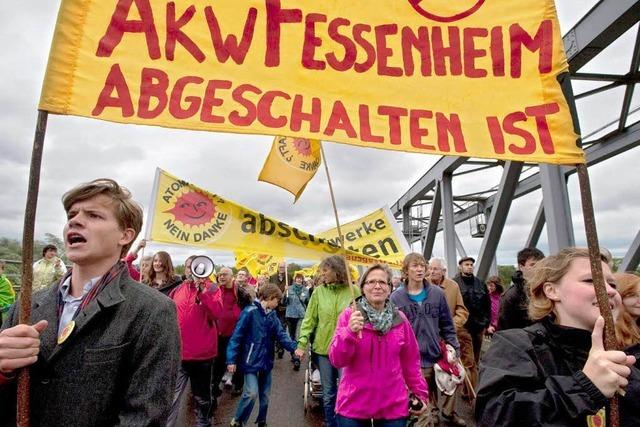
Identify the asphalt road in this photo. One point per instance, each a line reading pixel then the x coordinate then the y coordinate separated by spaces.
pixel 286 408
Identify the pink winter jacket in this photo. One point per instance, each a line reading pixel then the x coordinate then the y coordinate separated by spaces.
pixel 377 369
pixel 197 319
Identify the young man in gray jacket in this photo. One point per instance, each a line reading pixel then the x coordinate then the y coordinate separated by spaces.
pixel 104 349
pixel 425 305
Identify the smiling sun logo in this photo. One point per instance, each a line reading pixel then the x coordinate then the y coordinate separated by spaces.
pixel 446 10
pixel 302 146
pixel 300 153
pixel 193 208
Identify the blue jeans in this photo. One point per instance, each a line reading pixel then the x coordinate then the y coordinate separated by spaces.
pixel 329 378
pixel 351 422
pixel 256 385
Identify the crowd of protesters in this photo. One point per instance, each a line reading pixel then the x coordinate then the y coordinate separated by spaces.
pixel 117 343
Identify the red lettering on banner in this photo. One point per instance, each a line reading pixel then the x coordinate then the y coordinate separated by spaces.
pixel 542 42
pixel 275 17
pixel 313 117
pixel 365 126
pixel 512 133
pixel 115 81
pixel 175 107
pixel 495 132
pixel 311 41
pixel 497 52
pixel 339 119
pixel 471 53
pixel 119 25
pixel 540 113
pixel 252 112
pixel 153 84
pixel 416 132
pixel 264 109
pixel 210 100
pixel 510 128
pixel 230 47
pixel 175 33
pixel 422 44
pixel 361 67
pixel 350 51
pixel 394 114
pixel 440 52
pixel 382 31
pixel 450 126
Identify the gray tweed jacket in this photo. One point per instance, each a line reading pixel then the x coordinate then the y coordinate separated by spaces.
pixel 118 367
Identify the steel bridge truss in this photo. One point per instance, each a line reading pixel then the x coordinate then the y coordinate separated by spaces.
pixel 602 25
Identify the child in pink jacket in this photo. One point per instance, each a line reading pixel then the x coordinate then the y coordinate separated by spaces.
pixel 378 353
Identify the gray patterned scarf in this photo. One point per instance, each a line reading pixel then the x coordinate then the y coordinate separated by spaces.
pixel 380 320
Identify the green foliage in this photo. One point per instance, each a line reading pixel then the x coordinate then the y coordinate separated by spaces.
pixel 11 250
pixel 293 267
pixel 506 272
pixel 179 270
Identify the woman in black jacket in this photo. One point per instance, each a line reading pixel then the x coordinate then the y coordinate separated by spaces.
pixel 556 372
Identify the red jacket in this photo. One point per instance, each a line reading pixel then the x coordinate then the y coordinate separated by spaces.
pixel 198 312
pixel 135 274
pixel 230 311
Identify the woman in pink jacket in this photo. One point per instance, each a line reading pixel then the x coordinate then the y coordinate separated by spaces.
pixel 378 353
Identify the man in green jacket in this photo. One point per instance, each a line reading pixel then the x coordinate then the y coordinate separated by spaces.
pixel 321 317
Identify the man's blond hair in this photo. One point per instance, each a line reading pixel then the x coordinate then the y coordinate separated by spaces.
pixel 127 211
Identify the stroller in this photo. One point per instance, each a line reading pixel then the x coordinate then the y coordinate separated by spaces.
pixel 312 386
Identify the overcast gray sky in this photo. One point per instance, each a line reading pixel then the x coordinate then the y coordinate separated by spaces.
pixel 77 150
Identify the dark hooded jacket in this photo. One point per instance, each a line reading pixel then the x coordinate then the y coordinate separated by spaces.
pixel 513 305
pixel 476 299
pixel 533 377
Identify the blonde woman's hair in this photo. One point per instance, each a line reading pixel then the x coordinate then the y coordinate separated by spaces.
pixel 627 328
pixel 551 269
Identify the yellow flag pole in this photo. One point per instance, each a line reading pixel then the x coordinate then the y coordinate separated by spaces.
pixel 340 237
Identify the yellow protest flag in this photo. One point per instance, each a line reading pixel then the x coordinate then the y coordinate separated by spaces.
pixel 256 263
pixel 376 234
pixel 291 163
pixel 469 78
pixel 185 214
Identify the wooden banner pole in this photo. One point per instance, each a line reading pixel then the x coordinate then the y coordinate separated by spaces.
pixel 340 237
pixel 598 279
pixel 27 258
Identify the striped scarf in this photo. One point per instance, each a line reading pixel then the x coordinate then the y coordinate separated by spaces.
pixel 107 278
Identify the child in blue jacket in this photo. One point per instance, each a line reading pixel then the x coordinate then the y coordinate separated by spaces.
pixel 252 346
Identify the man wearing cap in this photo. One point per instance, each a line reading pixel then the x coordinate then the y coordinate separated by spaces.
pixel 476 298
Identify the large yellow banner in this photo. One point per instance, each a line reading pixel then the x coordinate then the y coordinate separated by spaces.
pixel 476 78
pixel 184 214
pixel 376 235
